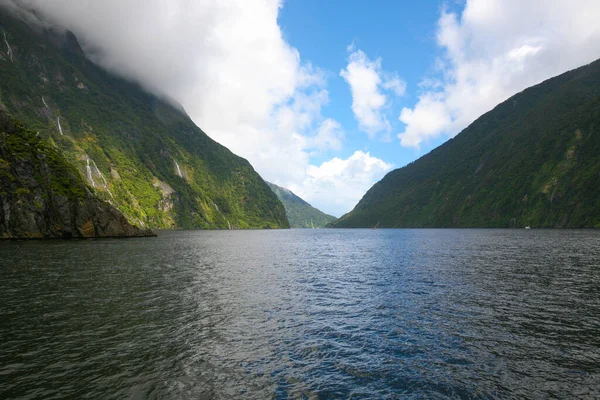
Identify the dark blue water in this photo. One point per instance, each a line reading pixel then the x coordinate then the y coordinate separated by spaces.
pixel 303 314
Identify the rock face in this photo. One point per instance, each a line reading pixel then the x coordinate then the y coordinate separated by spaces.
pixel 43 196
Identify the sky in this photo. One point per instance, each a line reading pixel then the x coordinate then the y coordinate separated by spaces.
pixel 326 97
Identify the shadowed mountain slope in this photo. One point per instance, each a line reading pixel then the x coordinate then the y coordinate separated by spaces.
pixel 533 160
pixel 300 214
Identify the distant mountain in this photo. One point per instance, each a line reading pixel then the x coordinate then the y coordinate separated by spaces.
pixel 533 160
pixel 141 154
pixel 43 196
pixel 299 212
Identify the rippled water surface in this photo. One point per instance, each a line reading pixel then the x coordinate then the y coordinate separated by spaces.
pixel 303 314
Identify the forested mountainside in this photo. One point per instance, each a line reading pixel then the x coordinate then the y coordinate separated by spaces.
pixel 300 214
pixel 43 196
pixel 141 154
pixel 534 160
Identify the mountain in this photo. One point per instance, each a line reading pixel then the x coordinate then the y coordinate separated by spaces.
pixel 299 212
pixel 43 196
pixel 534 160
pixel 136 151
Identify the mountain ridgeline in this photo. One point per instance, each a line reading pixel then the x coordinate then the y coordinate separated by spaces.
pixel 299 213
pixel 135 151
pixel 534 160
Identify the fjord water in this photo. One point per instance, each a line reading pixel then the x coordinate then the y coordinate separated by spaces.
pixel 303 314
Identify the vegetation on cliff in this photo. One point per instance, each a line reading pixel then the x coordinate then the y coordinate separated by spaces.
pixel 43 196
pixel 300 214
pixel 137 151
pixel 534 160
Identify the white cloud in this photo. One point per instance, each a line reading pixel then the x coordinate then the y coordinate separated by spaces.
pixel 367 81
pixel 495 49
pixel 227 63
pixel 329 136
pixel 395 84
pixel 425 120
pixel 338 184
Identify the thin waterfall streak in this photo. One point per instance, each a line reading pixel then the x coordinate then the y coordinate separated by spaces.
pixel 8 49
pixel 88 170
pixel 219 211
pixel 101 174
pixel 45 104
pixel 177 169
pixel 59 127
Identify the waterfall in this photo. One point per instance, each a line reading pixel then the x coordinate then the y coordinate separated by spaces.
pixel 88 171
pixel 8 49
pixel 105 186
pixel 45 104
pixel 59 127
pixel 219 211
pixel 177 169
pixel 100 173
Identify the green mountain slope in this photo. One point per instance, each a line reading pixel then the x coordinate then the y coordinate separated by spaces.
pixel 533 160
pixel 43 196
pixel 299 212
pixel 137 152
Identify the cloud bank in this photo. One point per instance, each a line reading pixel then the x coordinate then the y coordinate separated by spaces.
pixel 227 63
pixel 493 50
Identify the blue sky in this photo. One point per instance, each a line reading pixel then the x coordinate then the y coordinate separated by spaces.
pixel 326 97
pixel 401 33
pixel 435 42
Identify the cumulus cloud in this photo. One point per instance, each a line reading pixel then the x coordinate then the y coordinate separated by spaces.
pixel 367 82
pixel 226 62
pixel 337 185
pixel 427 119
pixel 493 50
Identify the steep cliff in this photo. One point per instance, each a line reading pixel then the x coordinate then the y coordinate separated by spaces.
pixel 137 151
pixel 43 196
